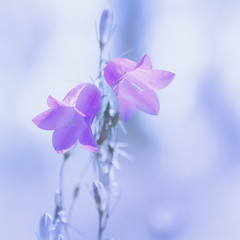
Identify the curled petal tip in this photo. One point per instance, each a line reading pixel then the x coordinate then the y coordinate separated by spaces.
pixel 144 63
pixel 90 148
pixel 165 78
pixel 52 102
pixel 63 151
pixel 44 121
pixel 34 121
pixel 171 75
pixel 156 111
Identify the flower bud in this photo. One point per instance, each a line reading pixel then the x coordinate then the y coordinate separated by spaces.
pixel 105 27
pixel 58 199
pixel 60 237
pixel 45 226
pixel 100 195
pixel 115 119
pixel 76 191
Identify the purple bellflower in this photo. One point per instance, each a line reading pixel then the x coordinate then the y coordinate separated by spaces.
pixel 134 84
pixel 71 119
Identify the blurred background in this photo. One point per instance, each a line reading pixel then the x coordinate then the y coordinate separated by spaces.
pixel 184 182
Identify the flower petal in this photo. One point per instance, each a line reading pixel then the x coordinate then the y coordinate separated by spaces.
pixel 77 129
pixel 126 107
pixel 66 136
pixel 145 100
pixel 126 102
pixel 53 118
pixel 87 140
pixel 71 98
pixel 154 79
pixel 116 69
pixel 52 102
pixel 144 63
pixel 89 102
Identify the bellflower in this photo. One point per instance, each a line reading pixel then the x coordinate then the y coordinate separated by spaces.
pixel 134 84
pixel 71 118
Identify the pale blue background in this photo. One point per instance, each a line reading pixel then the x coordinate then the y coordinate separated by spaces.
pixel 185 181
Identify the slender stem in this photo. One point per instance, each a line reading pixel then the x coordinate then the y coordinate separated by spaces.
pixel 100 230
pixel 100 72
pixel 77 188
pixel 100 81
pixel 71 208
pixel 59 194
pixel 61 181
pixel 100 62
pixel 76 230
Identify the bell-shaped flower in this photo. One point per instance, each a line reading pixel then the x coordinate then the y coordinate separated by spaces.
pixel 71 118
pixel 134 84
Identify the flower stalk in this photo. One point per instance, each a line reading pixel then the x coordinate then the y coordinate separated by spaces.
pixel 106 126
pixel 88 115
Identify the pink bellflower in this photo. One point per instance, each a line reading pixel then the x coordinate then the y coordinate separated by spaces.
pixel 71 119
pixel 134 84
